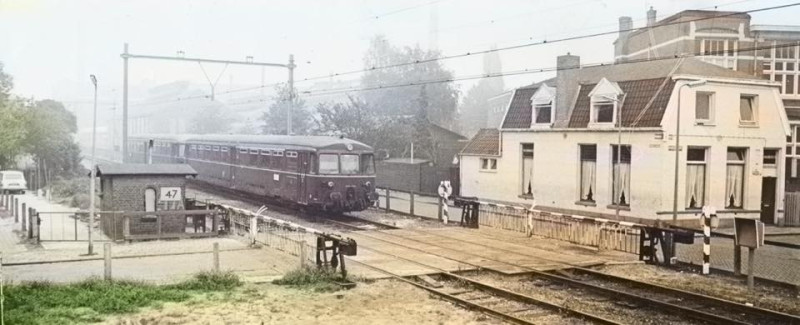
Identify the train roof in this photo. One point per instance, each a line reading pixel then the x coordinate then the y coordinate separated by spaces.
pixel 288 141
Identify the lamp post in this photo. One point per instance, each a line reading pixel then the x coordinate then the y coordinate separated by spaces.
pixel 692 84
pixel 94 168
pixel 618 109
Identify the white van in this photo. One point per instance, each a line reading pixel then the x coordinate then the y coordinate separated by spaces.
pixel 12 181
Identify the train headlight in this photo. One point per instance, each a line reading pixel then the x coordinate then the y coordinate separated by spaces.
pixel 330 184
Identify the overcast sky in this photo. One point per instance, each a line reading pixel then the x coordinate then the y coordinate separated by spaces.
pixel 50 47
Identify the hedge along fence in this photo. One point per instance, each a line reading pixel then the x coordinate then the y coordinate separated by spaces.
pixel 595 232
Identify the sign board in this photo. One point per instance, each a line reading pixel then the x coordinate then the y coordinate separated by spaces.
pixel 749 232
pixel 168 194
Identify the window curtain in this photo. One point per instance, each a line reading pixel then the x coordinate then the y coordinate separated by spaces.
pixel 695 185
pixel 588 169
pixel 733 188
pixel 622 184
pixel 527 175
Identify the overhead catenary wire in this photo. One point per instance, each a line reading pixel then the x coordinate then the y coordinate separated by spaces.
pixel 491 50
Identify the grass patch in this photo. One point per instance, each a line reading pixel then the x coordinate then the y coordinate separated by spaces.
pixel 310 278
pixel 90 300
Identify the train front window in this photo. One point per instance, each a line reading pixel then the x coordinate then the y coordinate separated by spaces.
pixel 367 165
pixel 350 164
pixel 328 164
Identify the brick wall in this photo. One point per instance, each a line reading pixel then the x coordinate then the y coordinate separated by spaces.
pixel 126 193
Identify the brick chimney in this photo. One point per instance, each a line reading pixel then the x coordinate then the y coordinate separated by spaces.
pixel 651 17
pixel 568 68
pixel 625 25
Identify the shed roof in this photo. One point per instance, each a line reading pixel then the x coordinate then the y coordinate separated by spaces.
pixel 485 143
pixel 145 169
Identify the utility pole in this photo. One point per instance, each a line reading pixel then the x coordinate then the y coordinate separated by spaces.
pixel 125 104
pixel 291 95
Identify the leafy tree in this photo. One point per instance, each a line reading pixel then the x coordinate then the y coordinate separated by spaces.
pixel 275 117
pixel 50 137
pixel 12 133
pixel 212 117
pixel 440 99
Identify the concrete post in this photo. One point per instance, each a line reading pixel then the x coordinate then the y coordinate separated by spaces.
pixel 751 256
pixel 107 261
pixel 253 230
pixel 411 202
pixel 388 200
pixel 16 209
pixel 302 255
pixel 216 257
pixel 737 260
pixel 23 210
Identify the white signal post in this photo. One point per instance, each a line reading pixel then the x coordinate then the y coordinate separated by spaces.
pixel 94 168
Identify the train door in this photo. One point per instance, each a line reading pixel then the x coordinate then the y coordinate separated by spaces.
pixel 303 170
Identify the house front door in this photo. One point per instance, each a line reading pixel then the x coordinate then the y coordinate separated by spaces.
pixel 768 200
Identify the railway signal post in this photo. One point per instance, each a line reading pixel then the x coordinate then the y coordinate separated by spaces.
pixel 445 190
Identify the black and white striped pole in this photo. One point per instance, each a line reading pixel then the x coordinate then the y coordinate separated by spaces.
pixel 708 213
pixel 445 190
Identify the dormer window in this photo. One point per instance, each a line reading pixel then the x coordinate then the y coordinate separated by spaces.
pixel 544 114
pixel 604 112
pixel 605 101
pixel 542 103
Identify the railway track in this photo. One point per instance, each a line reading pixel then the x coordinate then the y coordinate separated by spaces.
pixel 594 286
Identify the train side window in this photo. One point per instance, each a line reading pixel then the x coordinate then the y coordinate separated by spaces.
pixel 328 164
pixel 312 163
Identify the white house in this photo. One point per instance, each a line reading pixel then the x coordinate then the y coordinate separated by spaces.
pixel 558 143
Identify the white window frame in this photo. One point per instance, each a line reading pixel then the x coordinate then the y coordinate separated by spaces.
pixel 522 166
pixel 742 162
pixel 704 162
pixel 545 96
pixel 486 164
pixel 711 108
pixel 754 105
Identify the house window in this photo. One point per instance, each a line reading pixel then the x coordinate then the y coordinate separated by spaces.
pixel 544 114
pixel 621 176
pixel 734 178
pixel 713 47
pixel 704 104
pixel 488 164
pixel 770 157
pixel 527 168
pixel 695 178
pixel 747 109
pixel 588 158
pixel 604 112
pixel 789 85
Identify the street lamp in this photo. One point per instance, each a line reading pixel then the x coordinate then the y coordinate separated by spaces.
pixel 94 168
pixel 618 109
pixel 691 84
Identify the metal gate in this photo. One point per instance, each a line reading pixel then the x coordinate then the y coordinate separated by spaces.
pixel 66 226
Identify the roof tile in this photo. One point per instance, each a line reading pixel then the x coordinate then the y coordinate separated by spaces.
pixel 485 143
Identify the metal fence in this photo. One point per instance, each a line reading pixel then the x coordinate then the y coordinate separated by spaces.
pixel 426 205
pixel 600 233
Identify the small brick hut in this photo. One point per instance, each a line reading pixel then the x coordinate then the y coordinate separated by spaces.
pixel 143 187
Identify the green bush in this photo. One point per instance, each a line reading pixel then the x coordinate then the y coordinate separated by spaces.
pixel 88 301
pixel 312 278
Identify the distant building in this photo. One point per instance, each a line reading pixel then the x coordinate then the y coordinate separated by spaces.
pixel 727 39
pixel 424 172
pixel 559 144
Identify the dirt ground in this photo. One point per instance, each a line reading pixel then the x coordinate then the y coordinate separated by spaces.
pixel 725 287
pixel 381 302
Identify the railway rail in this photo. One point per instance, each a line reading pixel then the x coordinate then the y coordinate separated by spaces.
pixel 673 302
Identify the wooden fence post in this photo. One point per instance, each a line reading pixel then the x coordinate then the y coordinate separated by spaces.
pixel 107 261
pixel 737 259
pixel 126 226
pixel 302 254
pixel 411 203
pixel 216 257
